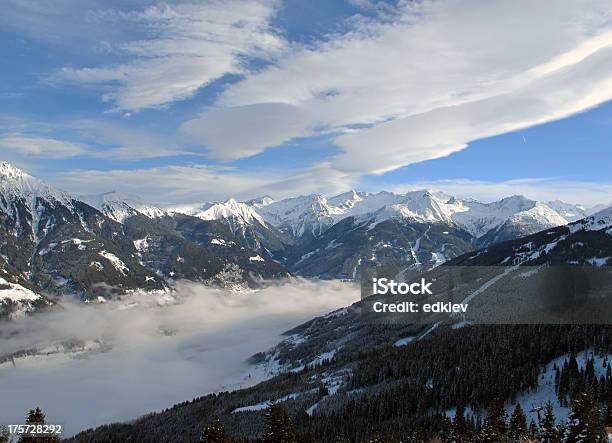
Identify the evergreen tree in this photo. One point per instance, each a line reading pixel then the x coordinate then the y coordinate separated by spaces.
pixel 548 431
pixel 584 421
pixel 494 429
pixel 278 425
pixel 518 425
pixel 215 433
pixel 4 434
pixel 37 417
pixel 459 428
pixel 608 414
pixel 533 430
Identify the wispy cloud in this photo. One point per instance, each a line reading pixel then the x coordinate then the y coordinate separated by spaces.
pixel 429 81
pixel 32 146
pixel 186 46
pixel 197 183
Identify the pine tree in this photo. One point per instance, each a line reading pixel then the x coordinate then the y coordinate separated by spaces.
pixel 548 431
pixel 215 433
pixel 459 428
pixel 608 414
pixel 518 424
pixel 533 430
pixel 584 421
pixel 37 417
pixel 278 425
pixel 494 429
pixel 4 434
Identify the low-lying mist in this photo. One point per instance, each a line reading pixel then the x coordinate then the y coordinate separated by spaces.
pixel 147 352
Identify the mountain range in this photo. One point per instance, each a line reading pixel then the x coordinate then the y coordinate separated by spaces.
pixel 341 377
pixel 96 247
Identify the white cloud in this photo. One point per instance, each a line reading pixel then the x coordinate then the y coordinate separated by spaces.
pixel 188 184
pixel 243 131
pixel 541 189
pixel 33 146
pixel 186 46
pixel 126 142
pixel 437 76
pixel 142 369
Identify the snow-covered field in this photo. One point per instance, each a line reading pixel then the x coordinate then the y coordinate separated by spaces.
pixel 148 352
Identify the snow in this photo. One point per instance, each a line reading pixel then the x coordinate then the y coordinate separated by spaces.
pixel 336 314
pixel 266 404
pixel 403 341
pixel 97 265
pixel 429 331
pixel 16 183
pixel 16 292
pixel 315 213
pixel 306 256
pixel 240 212
pixel 601 261
pixel 80 244
pixel 323 357
pixel 115 261
pixel 120 206
pixel 220 242
pixel 568 211
pixel 531 400
pixel 597 222
pixel 488 284
pixel 48 249
pixel 256 258
pixel 142 245
pixel 17 187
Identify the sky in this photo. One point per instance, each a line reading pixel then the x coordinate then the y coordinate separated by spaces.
pixel 182 102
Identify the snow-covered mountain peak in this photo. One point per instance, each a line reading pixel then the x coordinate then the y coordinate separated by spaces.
pixel 540 213
pixel 231 208
pixel 260 201
pixel 347 199
pixel 10 172
pixel 596 222
pixel 569 211
pixel 15 183
pixel 120 206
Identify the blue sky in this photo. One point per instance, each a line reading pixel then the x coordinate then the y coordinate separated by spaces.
pixel 190 101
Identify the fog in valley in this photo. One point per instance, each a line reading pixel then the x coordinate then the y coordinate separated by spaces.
pixel 147 352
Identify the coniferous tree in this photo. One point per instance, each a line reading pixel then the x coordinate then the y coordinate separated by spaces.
pixel 459 428
pixel 278 425
pixel 215 433
pixel 495 427
pixel 584 421
pixel 608 414
pixel 37 417
pixel 548 430
pixel 533 430
pixel 518 425
pixel 4 434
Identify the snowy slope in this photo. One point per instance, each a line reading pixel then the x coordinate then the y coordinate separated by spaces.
pixel 231 208
pixel 304 215
pixel 119 206
pixel 23 198
pixel 600 221
pixel 313 214
pixel 19 299
pixel 16 184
